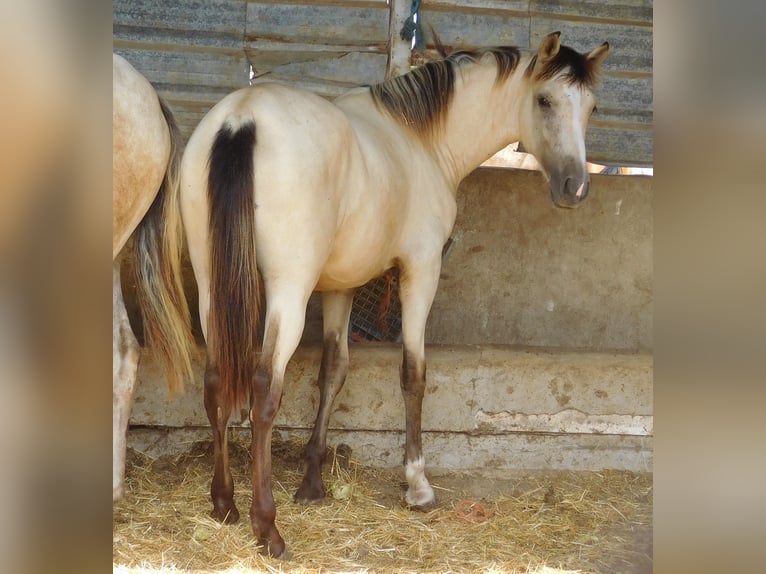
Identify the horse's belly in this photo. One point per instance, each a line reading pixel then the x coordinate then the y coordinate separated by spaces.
pixel 351 271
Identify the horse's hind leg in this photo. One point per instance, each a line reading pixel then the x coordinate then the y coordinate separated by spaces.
pixel 336 311
pixel 125 354
pixel 285 317
pixel 218 412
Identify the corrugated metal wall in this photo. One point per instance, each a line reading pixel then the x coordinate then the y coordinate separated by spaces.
pixel 196 51
pixel 328 47
pixel 191 50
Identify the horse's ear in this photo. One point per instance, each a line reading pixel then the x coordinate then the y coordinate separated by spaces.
pixel 596 57
pixel 549 47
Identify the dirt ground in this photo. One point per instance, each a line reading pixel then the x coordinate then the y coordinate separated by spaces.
pixel 550 522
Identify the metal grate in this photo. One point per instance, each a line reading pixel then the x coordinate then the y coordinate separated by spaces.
pixel 377 312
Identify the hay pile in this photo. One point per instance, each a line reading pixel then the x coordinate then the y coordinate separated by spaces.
pixel 542 522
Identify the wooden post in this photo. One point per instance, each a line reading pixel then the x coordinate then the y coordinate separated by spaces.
pixel 398 50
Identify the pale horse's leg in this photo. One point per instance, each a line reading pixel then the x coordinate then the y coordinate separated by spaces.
pixel 125 355
pixel 417 288
pixel 336 312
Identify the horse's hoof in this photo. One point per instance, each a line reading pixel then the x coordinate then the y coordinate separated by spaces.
pixel 309 494
pixel 427 507
pixel 225 516
pixel 274 549
pixel 286 555
pixel 422 500
pixel 307 500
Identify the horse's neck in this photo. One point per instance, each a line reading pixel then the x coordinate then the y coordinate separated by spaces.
pixel 483 118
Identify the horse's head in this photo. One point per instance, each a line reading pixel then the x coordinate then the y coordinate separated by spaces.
pixel 557 104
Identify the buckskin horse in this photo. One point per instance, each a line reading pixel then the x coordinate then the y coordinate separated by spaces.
pixel 308 194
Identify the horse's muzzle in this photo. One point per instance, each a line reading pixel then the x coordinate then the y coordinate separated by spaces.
pixel 571 193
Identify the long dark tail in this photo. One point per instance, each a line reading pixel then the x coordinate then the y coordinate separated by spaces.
pixel 159 243
pixel 234 292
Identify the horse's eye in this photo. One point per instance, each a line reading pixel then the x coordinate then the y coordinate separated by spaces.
pixel 543 102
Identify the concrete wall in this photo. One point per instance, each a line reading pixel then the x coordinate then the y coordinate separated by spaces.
pixel 489 407
pixel 523 272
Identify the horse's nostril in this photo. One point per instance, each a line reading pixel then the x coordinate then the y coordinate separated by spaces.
pixel 571 188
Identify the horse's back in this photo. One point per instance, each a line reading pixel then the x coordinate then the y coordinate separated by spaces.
pixel 141 149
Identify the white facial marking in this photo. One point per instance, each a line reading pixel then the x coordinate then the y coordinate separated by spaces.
pixel 562 110
pixel 578 193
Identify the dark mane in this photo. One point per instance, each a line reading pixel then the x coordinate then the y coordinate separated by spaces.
pixel 421 97
pixel 578 69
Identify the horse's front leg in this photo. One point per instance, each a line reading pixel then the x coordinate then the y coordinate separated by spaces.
pixel 417 287
pixel 218 411
pixel 336 312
